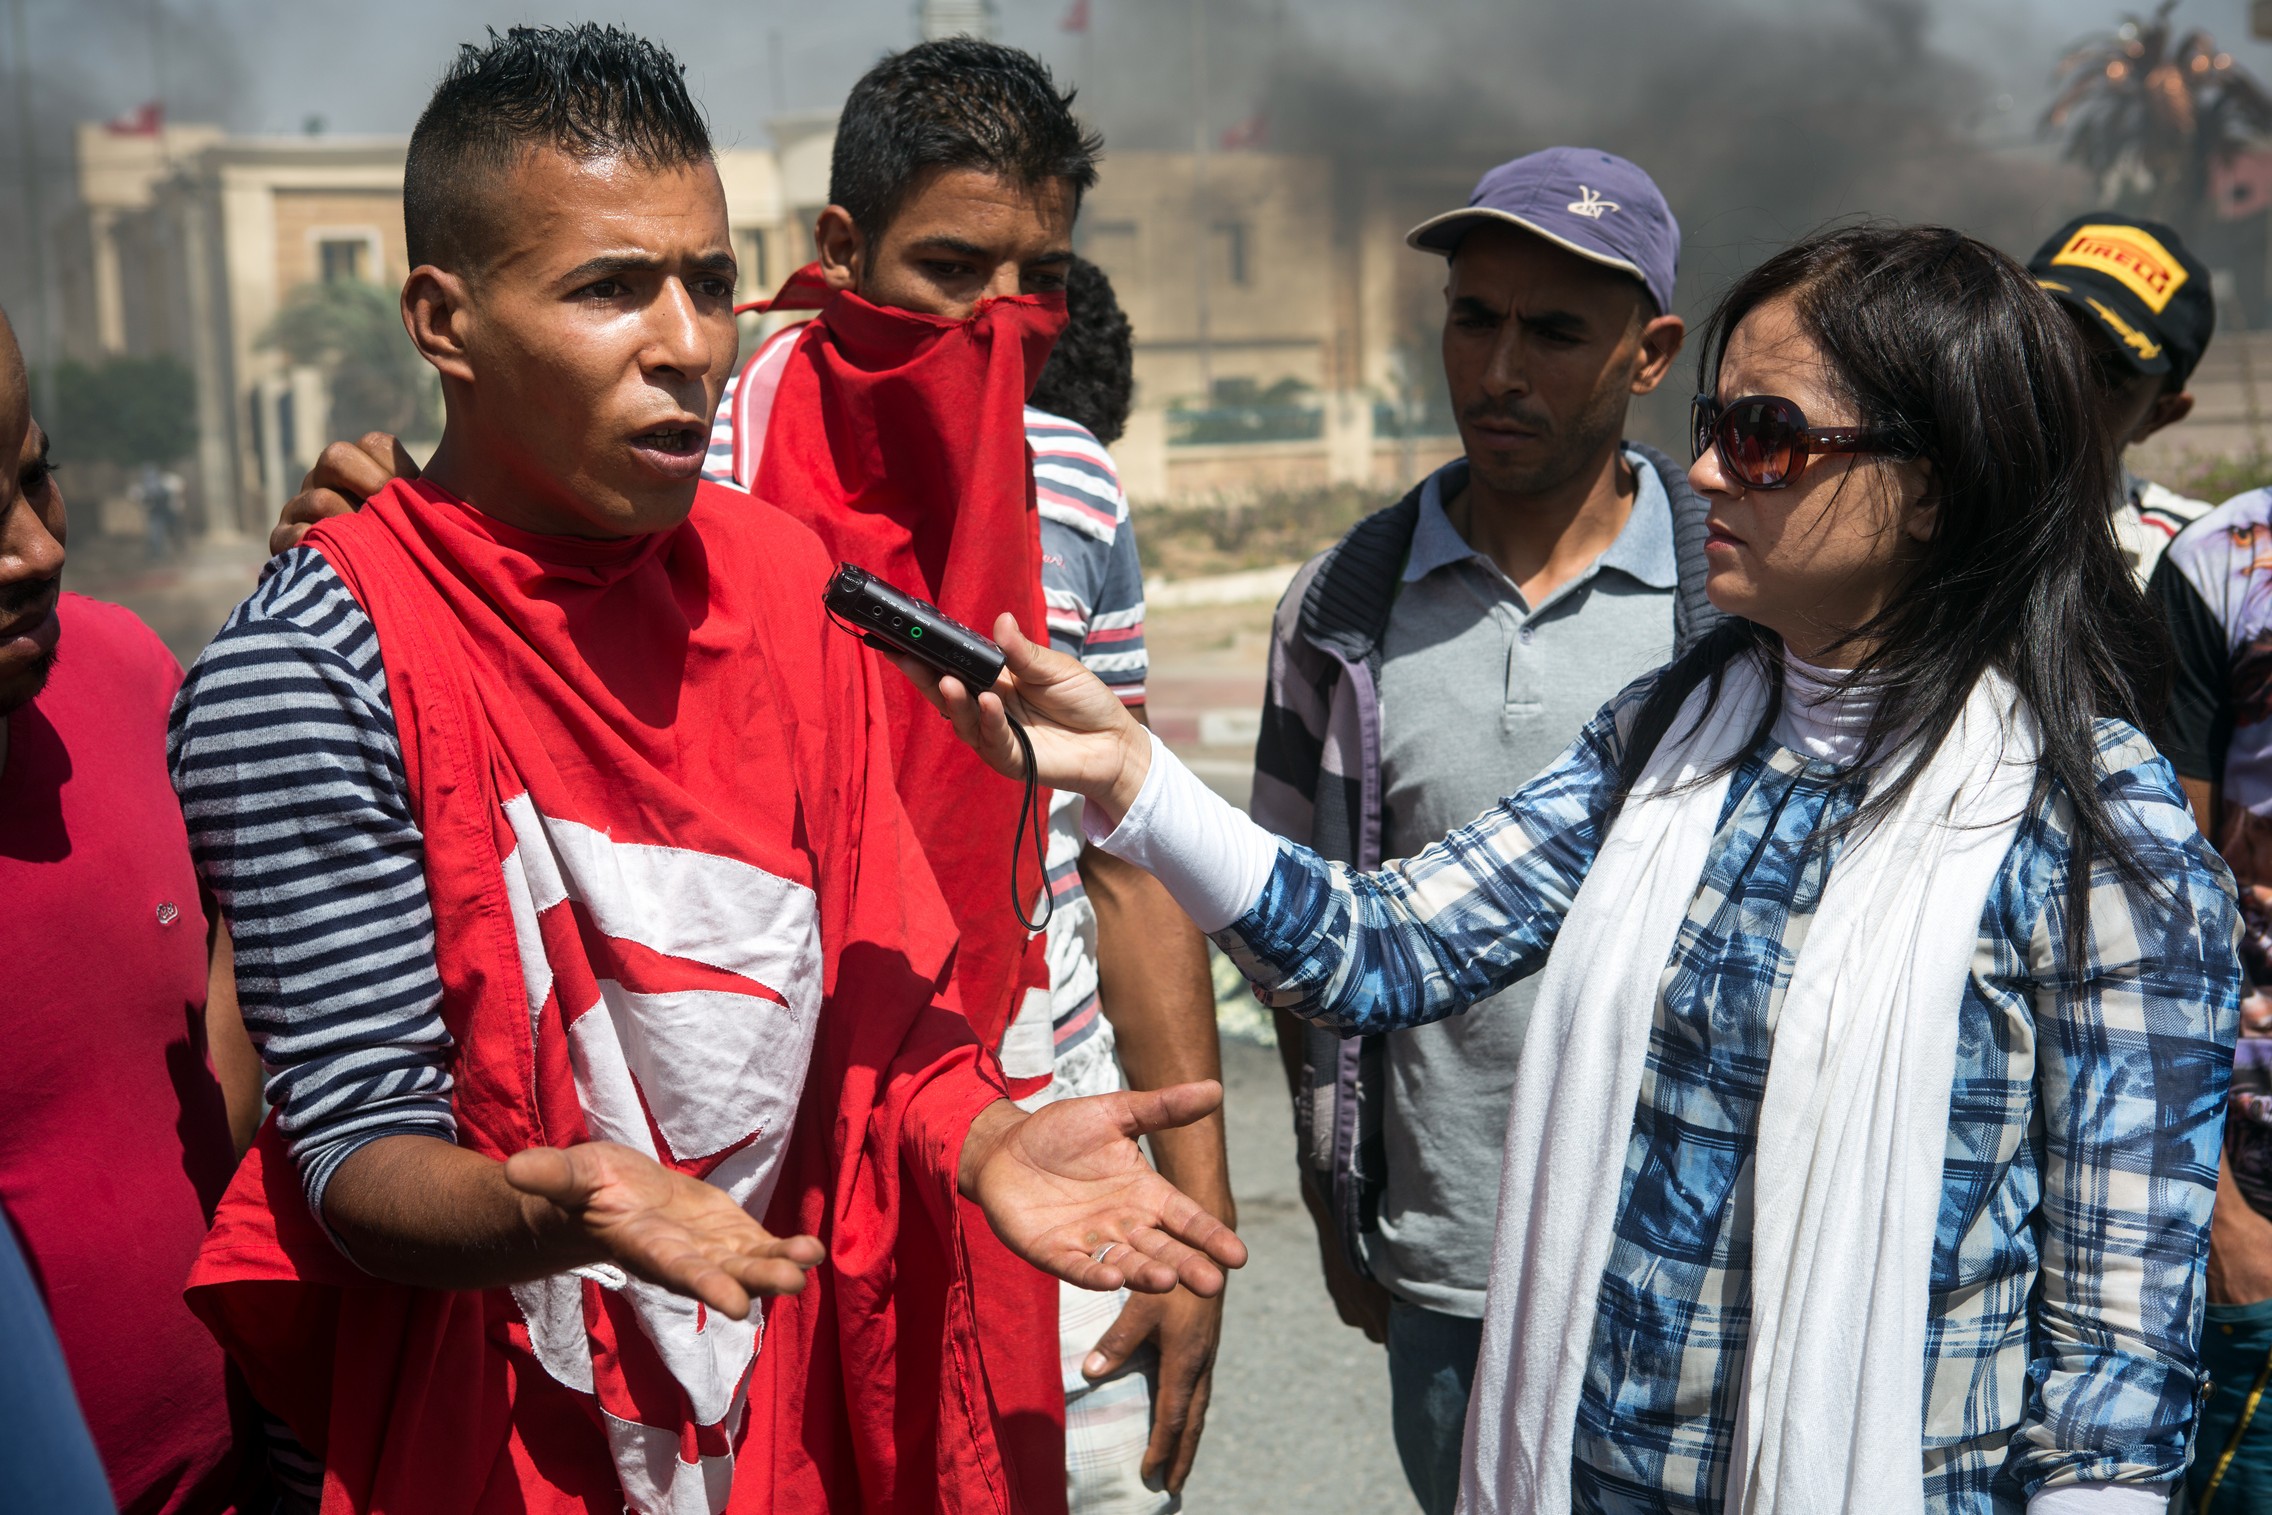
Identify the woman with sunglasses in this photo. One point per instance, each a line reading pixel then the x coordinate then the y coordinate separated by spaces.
pixel 1866 1131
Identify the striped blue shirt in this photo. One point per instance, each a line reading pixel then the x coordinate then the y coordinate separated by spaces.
pixel 1094 589
pixel 285 755
pixel 2085 1121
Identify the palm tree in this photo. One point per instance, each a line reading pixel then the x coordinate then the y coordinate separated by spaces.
pixel 2148 112
pixel 352 331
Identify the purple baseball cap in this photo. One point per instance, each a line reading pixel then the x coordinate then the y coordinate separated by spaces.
pixel 1593 203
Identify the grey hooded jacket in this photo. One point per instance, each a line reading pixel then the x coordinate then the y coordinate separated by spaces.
pixel 1317 781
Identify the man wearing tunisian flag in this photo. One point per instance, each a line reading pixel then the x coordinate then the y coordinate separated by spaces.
pixel 582 925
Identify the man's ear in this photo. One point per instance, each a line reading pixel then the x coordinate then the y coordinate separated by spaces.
pixel 840 248
pixel 2167 411
pixel 437 311
pixel 1660 344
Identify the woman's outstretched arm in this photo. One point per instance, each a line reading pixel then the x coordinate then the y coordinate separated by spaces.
pixel 1419 940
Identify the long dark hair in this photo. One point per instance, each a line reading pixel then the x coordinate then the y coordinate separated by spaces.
pixel 1952 345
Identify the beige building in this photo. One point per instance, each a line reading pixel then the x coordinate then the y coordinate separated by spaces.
pixel 1285 336
pixel 190 242
pixel 1274 302
pixel 103 280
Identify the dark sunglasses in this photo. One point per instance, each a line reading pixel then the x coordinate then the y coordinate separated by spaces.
pixel 1764 441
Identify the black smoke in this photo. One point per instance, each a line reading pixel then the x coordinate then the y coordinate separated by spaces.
pixel 1760 122
pixel 93 60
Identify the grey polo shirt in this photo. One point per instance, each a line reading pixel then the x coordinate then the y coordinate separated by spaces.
pixel 1479 693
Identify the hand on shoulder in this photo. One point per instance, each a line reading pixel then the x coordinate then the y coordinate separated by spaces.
pixel 345 475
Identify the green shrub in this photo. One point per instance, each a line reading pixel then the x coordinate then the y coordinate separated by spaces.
pixel 352 331
pixel 127 411
pixel 2219 479
pixel 1285 526
pixel 1241 410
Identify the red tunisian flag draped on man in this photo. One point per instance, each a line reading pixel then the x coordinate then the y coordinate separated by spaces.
pixel 900 439
pixel 678 907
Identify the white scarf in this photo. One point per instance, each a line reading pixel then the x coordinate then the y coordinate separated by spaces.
pixel 1853 1125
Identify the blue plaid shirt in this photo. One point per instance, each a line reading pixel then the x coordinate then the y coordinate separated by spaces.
pixel 2084 1129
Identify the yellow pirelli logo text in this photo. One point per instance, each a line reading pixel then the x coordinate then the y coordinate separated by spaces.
pixel 2132 258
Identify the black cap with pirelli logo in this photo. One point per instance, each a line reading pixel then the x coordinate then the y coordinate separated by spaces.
pixel 2138 283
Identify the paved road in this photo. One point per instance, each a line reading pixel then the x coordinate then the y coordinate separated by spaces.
pixel 1300 1417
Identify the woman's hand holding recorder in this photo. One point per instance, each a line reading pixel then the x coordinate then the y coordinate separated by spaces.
pixel 1084 739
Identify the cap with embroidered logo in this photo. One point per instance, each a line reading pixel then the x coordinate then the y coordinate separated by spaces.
pixel 2138 283
pixel 1592 203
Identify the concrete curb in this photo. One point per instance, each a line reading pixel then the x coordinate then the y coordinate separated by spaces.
pixel 1255 586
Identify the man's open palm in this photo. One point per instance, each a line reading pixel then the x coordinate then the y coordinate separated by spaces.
pixel 665 1227
pixel 1068 1189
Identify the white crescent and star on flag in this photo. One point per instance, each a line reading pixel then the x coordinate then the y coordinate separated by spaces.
pixel 690 985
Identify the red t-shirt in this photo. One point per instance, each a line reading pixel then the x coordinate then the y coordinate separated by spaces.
pixel 114 1144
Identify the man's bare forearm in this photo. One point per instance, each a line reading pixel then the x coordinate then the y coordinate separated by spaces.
pixel 2202 796
pixel 418 1210
pixel 1289 1028
pixel 1156 991
pixel 235 1064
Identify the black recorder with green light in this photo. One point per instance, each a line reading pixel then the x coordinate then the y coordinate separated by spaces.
pixel 890 621
pixel 893 622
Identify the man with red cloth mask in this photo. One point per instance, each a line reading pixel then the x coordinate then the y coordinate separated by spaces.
pixel 892 426
pixel 559 834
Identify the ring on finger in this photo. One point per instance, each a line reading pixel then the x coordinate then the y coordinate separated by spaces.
pixel 1103 1252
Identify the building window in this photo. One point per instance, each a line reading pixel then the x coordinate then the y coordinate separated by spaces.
pixel 287 427
pixel 1233 234
pixel 348 255
pixel 1111 245
pixel 749 257
pixel 342 260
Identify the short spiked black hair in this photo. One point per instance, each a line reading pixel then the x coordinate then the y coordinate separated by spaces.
pixel 954 103
pixel 589 91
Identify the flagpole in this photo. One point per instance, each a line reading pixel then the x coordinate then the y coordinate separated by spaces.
pixel 158 83
pixel 158 55
pixel 35 228
pixel 1206 237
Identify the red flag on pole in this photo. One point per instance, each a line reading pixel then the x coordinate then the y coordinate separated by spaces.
pixel 2241 185
pixel 1076 19
pixel 1249 134
pixel 146 120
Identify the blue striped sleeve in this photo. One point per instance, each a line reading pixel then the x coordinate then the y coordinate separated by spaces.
pixel 1094 590
pixel 289 768
pixel 1090 573
pixel 1114 650
pixel 1075 482
pixel 718 460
